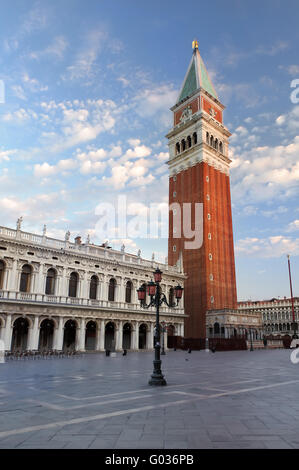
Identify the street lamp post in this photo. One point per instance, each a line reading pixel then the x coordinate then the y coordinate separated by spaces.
pixel 157 298
pixel 294 325
pixel 251 345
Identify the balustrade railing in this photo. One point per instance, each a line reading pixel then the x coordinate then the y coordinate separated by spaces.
pixel 56 299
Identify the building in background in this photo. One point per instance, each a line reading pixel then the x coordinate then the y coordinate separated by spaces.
pixel 199 173
pixel 55 294
pixel 229 323
pixel 276 314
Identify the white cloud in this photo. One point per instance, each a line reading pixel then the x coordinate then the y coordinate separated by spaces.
pixel 138 152
pixel 123 81
pixel 5 154
pixel 293 69
pixel 131 173
pixel 72 122
pixel 35 210
pixel 241 130
pixel 163 156
pixel 275 213
pixel 293 226
pixel 134 142
pixel 280 120
pixel 19 92
pixel 43 170
pixel 88 167
pixel 273 49
pixel 271 247
pixel 263 173
pixel 156 101
pixel 56 49
pixel 20 115
pixel 34 20
pixel 84 63
pixel 290 120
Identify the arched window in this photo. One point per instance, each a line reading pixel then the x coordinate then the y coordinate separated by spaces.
pixel 194 138
pixel 50 281
pixel 211 141
pixel 171 296
pixel 189 141
pixel 25 278
pixel 111 292
pixel 216 328
pixel 183 145
pixel 93 289
pixel 73 284
pixel 129 292
pixel 216 144
pixel 220 147
pixel 2 269
pixel 177 147
pixel 207 138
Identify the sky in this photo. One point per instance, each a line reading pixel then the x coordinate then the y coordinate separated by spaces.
pixel 88 87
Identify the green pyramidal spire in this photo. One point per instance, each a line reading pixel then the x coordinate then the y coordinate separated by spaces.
pixel 196 76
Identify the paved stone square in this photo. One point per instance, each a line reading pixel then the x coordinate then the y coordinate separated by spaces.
pixel 237 399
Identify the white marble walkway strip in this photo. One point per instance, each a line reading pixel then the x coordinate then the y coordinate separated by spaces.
pixel 76 407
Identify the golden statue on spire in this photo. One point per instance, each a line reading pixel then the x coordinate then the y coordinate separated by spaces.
pixel 195 44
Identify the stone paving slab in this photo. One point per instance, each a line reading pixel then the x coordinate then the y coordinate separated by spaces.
pixel 233 400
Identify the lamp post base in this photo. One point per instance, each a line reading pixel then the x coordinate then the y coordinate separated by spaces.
pixel 157 377
pixel 155 380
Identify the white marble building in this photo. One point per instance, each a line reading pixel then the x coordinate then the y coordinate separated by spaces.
pixel 277 314
pixel 61 295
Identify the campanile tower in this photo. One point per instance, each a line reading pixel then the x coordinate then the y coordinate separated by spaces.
pixel 199 173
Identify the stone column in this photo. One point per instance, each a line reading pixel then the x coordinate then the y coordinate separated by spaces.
pixel 102 336
pixel 41 280
pixel 105 288
pixel 33 337
pixel 58 285
pixel 134 298
pixel 58 336
pixel 80 340
pixel 8 333
pixel 136 336
pixel 13 278
pixel 63 290
pixel 150 337
pixel 119 336
pixel 98 336
pixel 84 286
pixel 6 278
pixel 2 332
